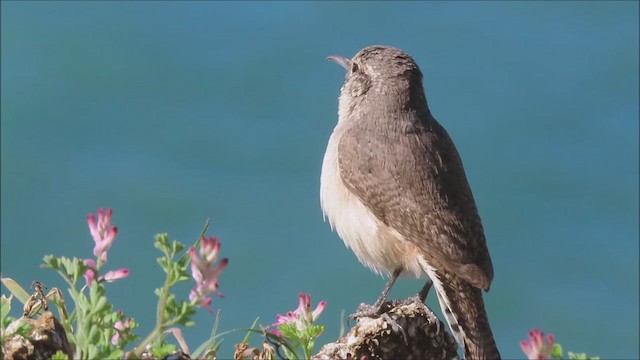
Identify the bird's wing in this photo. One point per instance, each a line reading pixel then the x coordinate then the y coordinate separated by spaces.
pixel 410 175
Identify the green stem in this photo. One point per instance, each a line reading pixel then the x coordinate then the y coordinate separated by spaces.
pixel 79 320
pixel 66 278
pixel 160 322
pixel 306 350
pixel 135 354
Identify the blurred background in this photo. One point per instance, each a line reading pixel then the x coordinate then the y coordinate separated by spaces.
pixel 174 113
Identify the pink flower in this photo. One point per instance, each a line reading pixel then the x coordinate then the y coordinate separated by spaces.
pixel 114 275
pixel 204 272
pixel 103 233
pixel 302 316
pixel 537 347
pixel 90 274
pixel 110 276
pixel 120 326
pixel 202 301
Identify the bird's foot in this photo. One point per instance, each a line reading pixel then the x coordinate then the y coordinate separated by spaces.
pixel 380 311
pixel 394 326
pixel 368 310
pixel 411 300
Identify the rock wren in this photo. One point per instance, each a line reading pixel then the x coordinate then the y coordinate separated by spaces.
pixel 394 188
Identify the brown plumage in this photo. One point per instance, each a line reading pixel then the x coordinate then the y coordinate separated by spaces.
pixel 394 188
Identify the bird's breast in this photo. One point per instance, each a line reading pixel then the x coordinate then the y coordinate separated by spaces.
pixel 376 245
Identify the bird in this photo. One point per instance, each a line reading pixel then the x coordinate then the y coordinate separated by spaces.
pixel 394 189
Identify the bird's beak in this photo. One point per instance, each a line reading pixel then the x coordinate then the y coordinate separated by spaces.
pixel 342 61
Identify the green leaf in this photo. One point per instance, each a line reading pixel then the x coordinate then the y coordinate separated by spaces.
pixel 162 243
pixel 93 292
pixel 115 354
pixel 94 335
pixel 23 329
pixel 15 289
pixel 289 331
pixel 97 299
pixel 82 303
pixel 162 261
pixel 185 256
pixel 5 307
pixel 101 305
pixel 159 292
pixel 60 355
pixel 92 351
pixel 71 269
pixel 176 247
pixel 161 349
pixel 313 331
pixel 79 269
pixel 58 300
pixel 51 261
pixel 580 356
pixel 71 337
pixel 66 265
pixel 246 338
pixel 556 352
pixel 210 343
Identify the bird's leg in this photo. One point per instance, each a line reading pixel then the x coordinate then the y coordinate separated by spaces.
pixel 422 295
pixel 376 309
pixel 387 288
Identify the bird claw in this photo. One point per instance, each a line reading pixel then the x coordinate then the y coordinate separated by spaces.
pixel 375 311
pixel 366 310
pixel 372 311
pixel 415 299
pixel 395 326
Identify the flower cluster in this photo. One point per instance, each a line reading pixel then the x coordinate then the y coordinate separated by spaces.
pixel 121 329
pixel 110 276
pixel 296 330
pixel 205 272
pixel 98 331
pixel 538 347
pixel 302 316
pixel 103 235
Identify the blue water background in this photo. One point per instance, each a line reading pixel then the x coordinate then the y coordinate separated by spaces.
pixel 174 113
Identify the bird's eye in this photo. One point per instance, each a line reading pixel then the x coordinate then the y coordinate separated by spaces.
pixel 354 67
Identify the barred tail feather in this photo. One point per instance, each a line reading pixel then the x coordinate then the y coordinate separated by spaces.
pixel 463 307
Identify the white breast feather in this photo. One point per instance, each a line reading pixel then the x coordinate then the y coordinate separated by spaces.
pixel 378 247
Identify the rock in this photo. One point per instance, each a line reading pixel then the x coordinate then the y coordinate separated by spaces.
pixel 406 330
pixel 44 339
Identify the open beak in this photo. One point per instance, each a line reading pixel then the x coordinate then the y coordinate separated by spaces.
pixel 342 61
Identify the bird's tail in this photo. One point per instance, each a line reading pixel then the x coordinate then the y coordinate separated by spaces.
pixel 463 307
